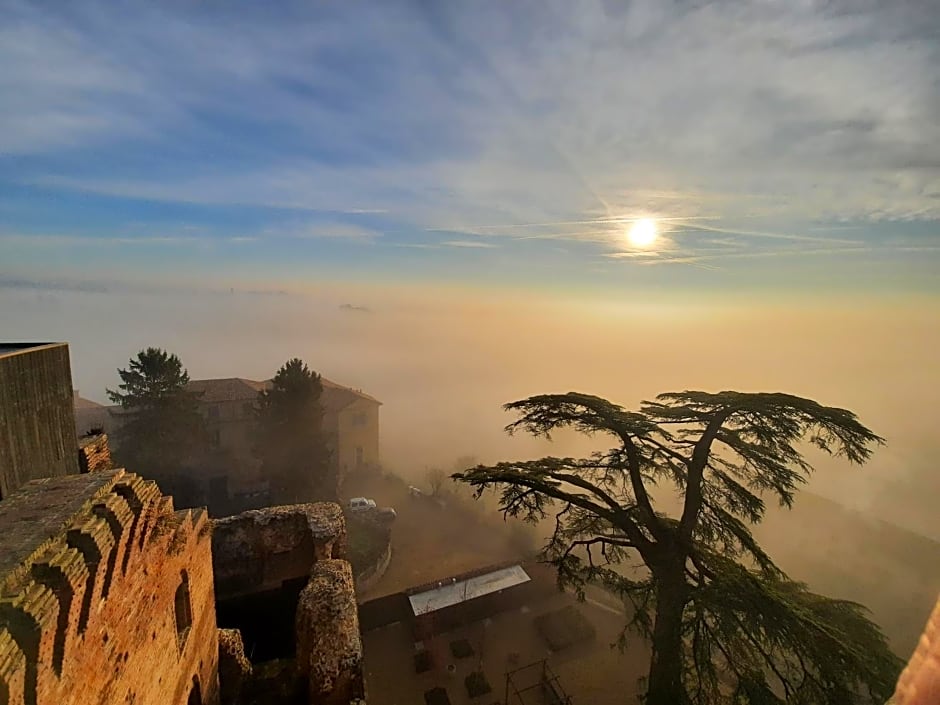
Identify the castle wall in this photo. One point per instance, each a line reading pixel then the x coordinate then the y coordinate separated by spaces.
pixel 260 549
pixel 106 596
pixel 94 453
pixel 291 557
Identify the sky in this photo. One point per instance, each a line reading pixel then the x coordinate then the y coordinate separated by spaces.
pixel 433 202
pixel 491 143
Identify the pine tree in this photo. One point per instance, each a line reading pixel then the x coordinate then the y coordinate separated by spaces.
pixel 726 624
pixel 161 430
pixel 290 441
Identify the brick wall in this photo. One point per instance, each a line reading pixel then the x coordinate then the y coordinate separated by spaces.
pixel 106 596
pixel 94 453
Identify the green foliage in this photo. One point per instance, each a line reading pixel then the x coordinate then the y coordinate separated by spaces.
pixel 290 440
pixel 726 624
pixel 161 430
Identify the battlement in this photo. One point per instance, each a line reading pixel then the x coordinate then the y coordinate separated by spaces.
pixel 94 453
pixel 79 556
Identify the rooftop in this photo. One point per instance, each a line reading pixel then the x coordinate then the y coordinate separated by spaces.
pixel 590 671
pixel 226 389
pixel 16 348
pixel 42 509
pixel 81 402
pixel 453 593
pixel 335 396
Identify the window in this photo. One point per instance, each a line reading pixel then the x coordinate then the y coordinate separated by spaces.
pixel 359 456
pixel 195 694
pixel 248 410
pixel 214 412
pixel 360 419
pixel 183 609
pixel 216 436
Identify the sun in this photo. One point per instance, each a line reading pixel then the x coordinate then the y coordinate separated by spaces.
pixel 643 233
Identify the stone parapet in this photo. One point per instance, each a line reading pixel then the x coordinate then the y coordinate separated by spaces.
pixel 94 453
pixel 105 595
pixel 329 647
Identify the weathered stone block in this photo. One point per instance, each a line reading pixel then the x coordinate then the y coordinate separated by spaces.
pixel 260 549
pixel 329 648
pixel 234 667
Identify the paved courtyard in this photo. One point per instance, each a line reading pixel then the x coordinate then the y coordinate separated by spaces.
pixel 590 672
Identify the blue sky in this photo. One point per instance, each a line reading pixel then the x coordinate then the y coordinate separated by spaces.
pixel 786 145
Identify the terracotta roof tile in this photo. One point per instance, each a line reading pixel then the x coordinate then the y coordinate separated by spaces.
pixel 335 396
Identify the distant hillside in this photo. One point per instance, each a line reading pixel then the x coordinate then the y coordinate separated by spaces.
pixel 844 553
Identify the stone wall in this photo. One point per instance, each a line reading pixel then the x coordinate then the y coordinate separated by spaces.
pixel 329 647
pixel 37 433
pixel 234 668
pixel 105 596
pixel 368 577
pixel 259 552
pixel 260 549
pixel 94 453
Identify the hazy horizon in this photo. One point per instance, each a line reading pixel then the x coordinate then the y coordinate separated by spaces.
pixel 462 208
pixel 443 365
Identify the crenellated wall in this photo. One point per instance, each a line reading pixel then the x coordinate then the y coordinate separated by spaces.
pixel 106 595
pixel 94 453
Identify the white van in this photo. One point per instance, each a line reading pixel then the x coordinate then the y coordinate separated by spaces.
pixel 361 504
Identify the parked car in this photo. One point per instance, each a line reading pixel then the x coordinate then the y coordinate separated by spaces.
pixel 361 504
pixel 386 514
pixel 415 491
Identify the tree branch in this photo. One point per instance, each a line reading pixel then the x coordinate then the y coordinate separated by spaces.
pixel 639 489
pixel 693 492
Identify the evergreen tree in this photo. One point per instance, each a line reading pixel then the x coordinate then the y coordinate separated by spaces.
pixel 725 623
pixel 161 430
pixel 290 441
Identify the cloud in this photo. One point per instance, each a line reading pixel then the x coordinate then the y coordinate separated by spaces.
pixel 342 231
pixel 558 121
pixel 77 240
pixel 472 244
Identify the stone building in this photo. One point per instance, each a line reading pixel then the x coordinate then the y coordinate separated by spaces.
pixel 350 422
pixel 106 595
pixel 37 434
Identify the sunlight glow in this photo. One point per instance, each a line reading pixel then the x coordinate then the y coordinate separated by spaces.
pixel 643 233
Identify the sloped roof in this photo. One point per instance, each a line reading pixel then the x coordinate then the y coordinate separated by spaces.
pixel 453 593
pixel 83 403
pixel 335 396
pixel 16 348
pixel 229 389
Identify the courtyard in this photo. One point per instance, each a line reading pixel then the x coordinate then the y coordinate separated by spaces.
pixel 476 656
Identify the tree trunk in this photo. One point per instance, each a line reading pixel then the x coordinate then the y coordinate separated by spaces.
pixel 665 674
